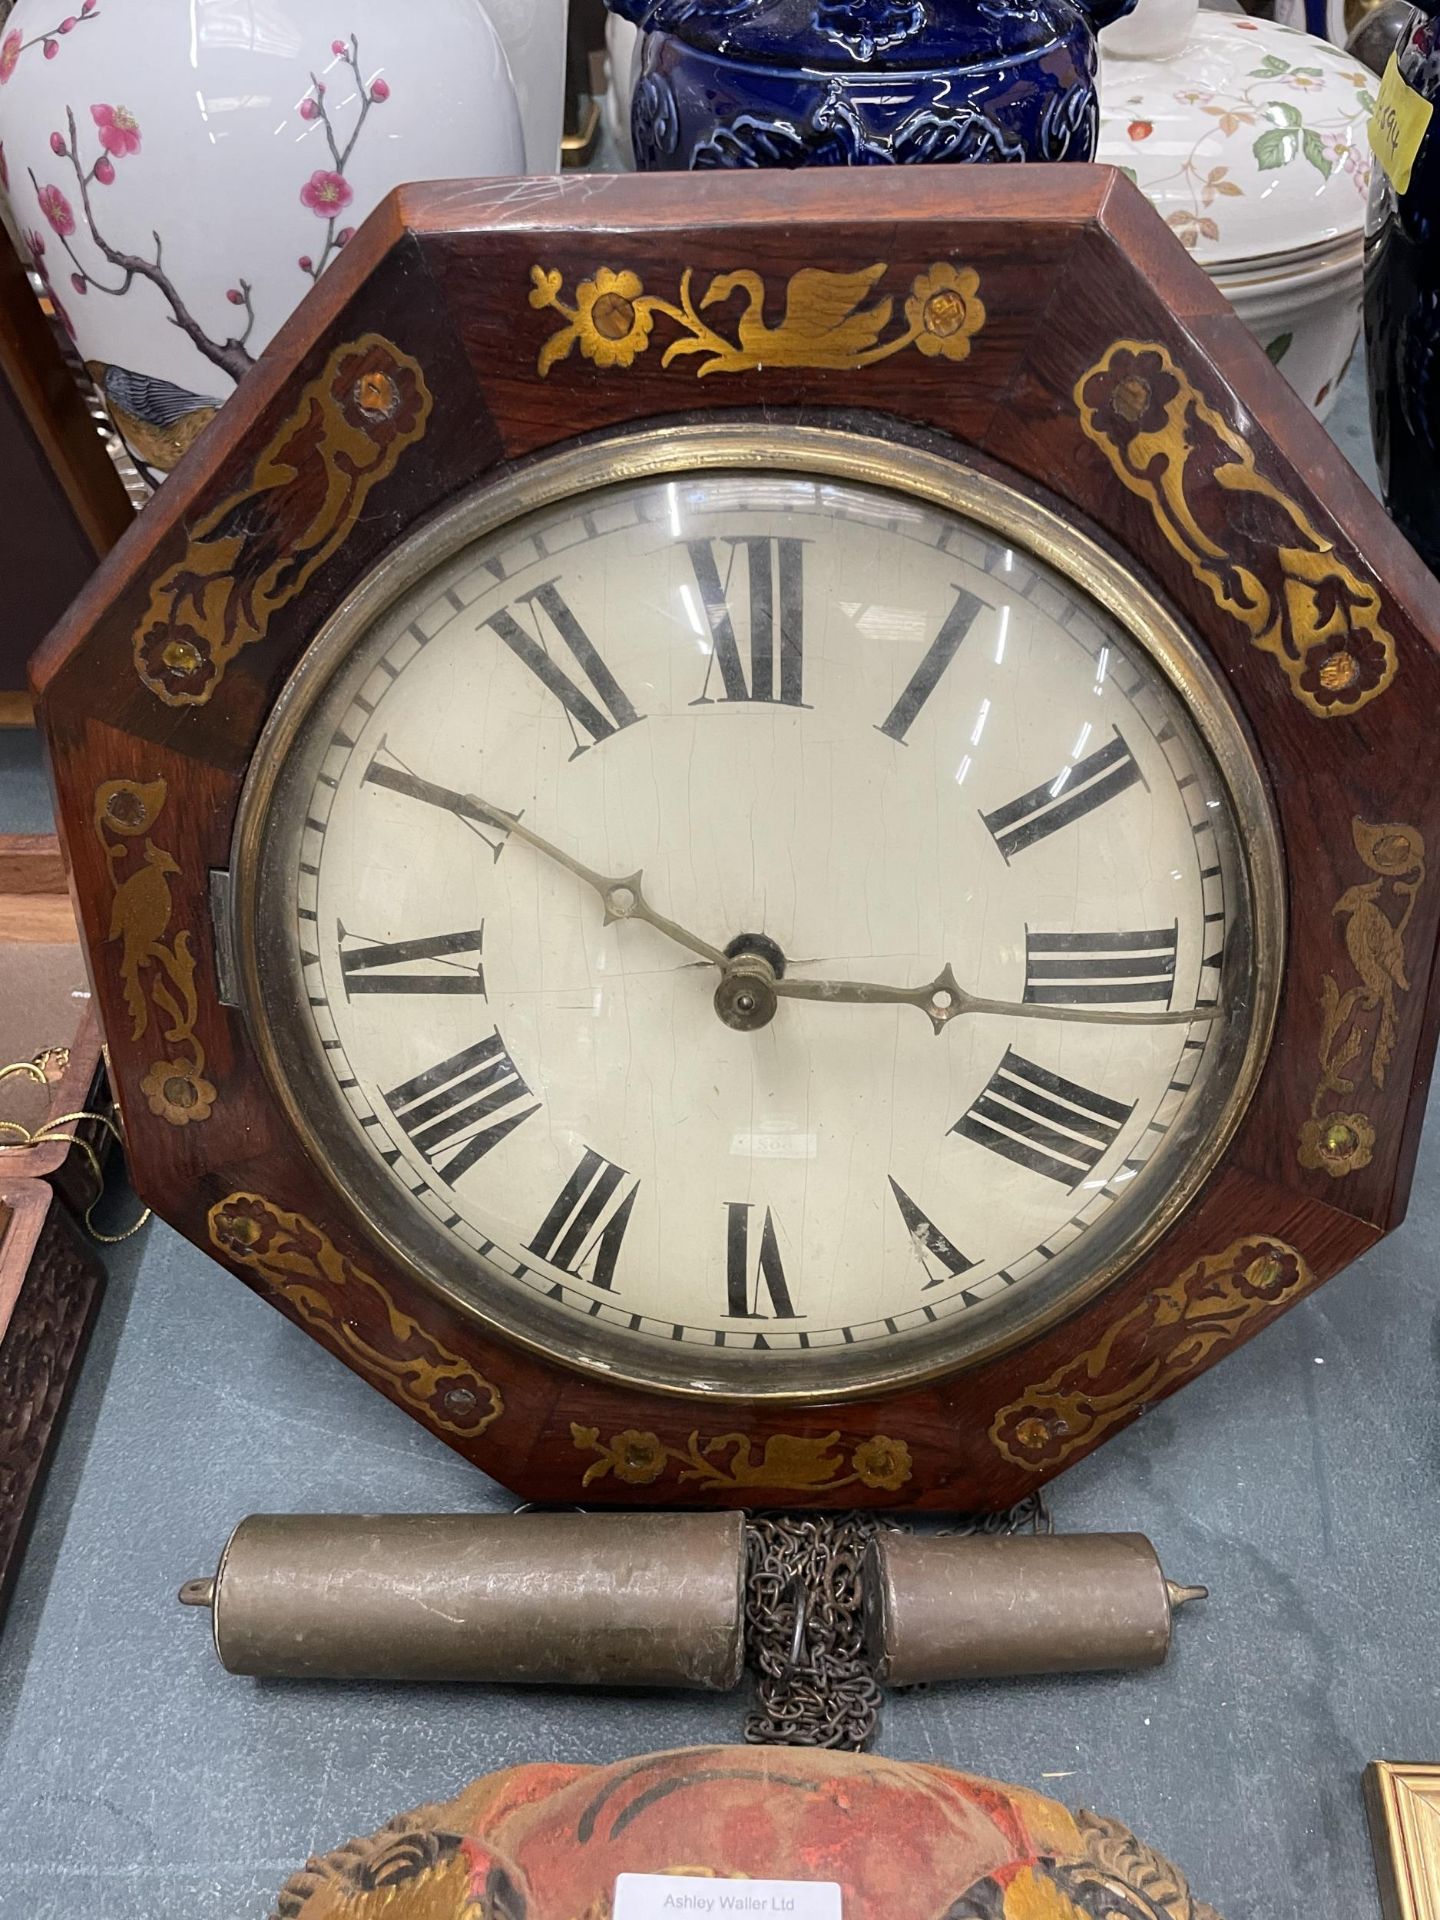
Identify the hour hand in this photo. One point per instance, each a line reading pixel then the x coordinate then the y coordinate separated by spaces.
pixel 622 895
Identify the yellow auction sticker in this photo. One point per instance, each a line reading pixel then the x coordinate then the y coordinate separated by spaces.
pixel 1398 125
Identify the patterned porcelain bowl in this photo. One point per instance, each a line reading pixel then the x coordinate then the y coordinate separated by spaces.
pixel 1251 143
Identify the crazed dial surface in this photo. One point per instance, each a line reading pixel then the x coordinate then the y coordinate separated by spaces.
pixel 801 721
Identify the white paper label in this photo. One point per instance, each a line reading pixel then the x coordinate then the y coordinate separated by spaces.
pixel 668 1896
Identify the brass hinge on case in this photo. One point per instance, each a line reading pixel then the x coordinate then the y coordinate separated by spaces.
pixel 227 972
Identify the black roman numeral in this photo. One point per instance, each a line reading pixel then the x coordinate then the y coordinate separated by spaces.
pixel 942 650
pixel 1042 1121
pixel 1099 969
pixel 448 1109
pixel 1075 791
pixel 742 1302
pixel 587 1222
pixel 364 967
pixel 776 570
pixel 584 714
pixel 932 1248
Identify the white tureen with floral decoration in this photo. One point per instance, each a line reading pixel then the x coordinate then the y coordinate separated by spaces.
pixel 181 172
pixel 1250 141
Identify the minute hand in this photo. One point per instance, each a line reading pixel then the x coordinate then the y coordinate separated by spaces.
pixel 943 999
pixel 622 895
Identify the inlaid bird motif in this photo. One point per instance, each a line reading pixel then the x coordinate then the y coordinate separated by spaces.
pixel 824 324
pixel 1377 953
pixel 139 919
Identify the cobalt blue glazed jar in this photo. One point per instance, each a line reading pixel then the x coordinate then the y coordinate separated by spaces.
pixel 846 83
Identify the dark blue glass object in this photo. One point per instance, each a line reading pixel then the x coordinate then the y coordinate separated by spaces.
pixel 845 83
pixel 1402 316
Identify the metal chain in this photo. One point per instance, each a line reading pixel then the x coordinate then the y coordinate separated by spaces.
pixel 805 1634
pixel 805 1629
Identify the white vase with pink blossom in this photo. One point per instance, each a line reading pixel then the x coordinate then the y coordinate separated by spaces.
pixel 182 172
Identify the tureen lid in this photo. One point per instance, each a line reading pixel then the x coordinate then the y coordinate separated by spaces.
pixel 876 35
pixel 1250 140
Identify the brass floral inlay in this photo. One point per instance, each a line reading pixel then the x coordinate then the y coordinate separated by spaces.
pixel 806 1463
pixel 157 967
pixel 256 550
pixel 300 1262
pixel 1250 547
pixel 1174 1331
pixel 1358 1022
pixel 826 321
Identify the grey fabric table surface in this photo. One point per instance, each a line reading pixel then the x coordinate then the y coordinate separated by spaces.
pixel 138 1781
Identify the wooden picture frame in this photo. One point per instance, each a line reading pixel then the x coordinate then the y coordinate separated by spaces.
pixel 1402 1803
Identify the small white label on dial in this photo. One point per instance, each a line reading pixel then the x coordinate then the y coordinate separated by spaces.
pixel 665 1896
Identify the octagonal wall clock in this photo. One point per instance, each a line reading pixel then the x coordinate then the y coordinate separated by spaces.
pixel 760 840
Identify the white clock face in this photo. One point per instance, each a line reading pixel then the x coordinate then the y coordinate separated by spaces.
pixel 840 733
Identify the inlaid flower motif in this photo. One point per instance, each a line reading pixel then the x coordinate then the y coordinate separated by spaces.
pixel 1337 675
pixel 9 55
pixel 636 1458
pixel 326 193
pixel 178 1093
pixel 128 807
pixel 1025 1432
pixel 177 657
pixel 944 311
pixel 57 210
pixel 610 324
pixel 1389 848
pixel 461 1400
pixel 882 1462
pixel 118 128
pixel 378 396
pixel 245 1227
pixel 1266 1271
pixel 1131 396
pixel 1339 1142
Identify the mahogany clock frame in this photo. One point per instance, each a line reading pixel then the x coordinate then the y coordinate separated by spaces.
pixel 1044 319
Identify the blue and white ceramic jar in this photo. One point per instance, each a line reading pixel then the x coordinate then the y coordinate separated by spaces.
pixel 816 83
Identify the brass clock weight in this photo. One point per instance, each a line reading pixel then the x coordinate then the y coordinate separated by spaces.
pixel 752 840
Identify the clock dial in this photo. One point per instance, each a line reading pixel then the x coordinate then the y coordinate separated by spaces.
pixel 759 928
